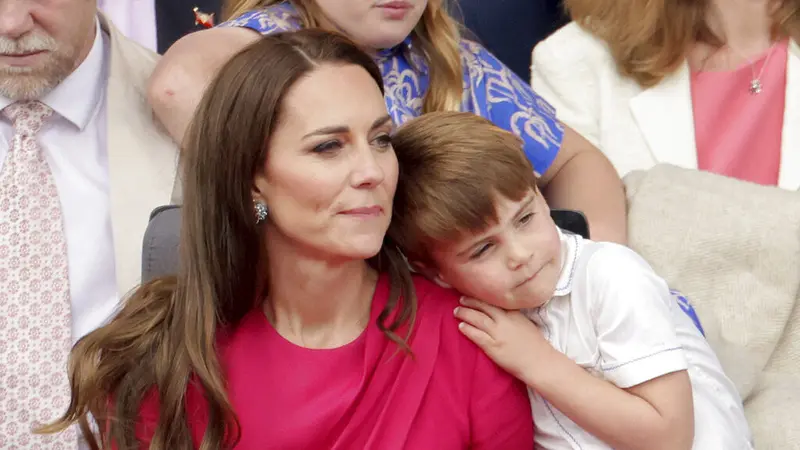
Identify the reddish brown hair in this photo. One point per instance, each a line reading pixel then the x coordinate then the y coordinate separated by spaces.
pixel 650 39
pixel 452 168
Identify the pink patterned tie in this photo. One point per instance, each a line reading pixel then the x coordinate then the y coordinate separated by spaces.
pixel 35 333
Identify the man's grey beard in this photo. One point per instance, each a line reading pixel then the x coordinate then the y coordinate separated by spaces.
pixel 28 83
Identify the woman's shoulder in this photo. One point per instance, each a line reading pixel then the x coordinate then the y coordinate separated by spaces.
pixel 433 298
pixel 474 54
pixel 496 398
pixel 435 308
pixel 275 18
pixel 572 44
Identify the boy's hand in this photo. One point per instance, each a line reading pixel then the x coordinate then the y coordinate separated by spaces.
pixel 509 338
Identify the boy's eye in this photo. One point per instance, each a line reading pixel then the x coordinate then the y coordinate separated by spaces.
pixel 526 218
pixel 480 251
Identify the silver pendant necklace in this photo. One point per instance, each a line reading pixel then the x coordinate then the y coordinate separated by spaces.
pixel 756 86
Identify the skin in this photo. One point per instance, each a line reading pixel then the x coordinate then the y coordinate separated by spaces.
pixel 41 43
pixel 514 264
pixel 328 181
pixel 372 23
pixel 490 265
pixel 746 28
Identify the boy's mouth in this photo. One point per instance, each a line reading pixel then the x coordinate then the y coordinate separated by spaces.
pixel 527 279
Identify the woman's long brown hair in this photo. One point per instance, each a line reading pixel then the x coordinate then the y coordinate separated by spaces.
pixel 650 39
pixel 437 34
pixel 165 334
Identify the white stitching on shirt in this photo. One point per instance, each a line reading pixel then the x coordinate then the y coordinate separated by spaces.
pixel 641 358
pixel 558 422
pixel 563 290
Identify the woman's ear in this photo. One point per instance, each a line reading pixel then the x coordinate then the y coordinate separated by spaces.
pixel 429 273
pixel 259 186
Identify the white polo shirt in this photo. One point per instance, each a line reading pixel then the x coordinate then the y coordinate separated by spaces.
pixel 617 319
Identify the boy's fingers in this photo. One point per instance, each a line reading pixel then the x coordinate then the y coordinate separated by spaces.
pixel 477 336
pixel 491 311
pixel 474 318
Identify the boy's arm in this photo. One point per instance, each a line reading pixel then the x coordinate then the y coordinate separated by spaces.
pixel 656 414
pixel 648 403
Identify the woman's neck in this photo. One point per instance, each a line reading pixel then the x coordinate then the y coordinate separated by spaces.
pixel 317 303
pixel 743 25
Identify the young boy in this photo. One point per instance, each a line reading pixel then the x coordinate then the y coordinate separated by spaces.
pixel 610 358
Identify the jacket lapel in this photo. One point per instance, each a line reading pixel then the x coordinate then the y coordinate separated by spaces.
pixel 663 114
pixel 789 177
pixel 142 159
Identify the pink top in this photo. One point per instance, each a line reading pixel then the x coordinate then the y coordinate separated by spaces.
pixel 366 395
pixel 737 133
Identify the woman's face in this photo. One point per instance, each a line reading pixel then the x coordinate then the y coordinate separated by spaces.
pixel 331 172
pixel 375 24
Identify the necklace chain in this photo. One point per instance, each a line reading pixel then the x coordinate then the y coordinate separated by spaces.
pixel 756 86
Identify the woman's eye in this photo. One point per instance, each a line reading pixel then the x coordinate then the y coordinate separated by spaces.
pixel 383 141
pixel 328 146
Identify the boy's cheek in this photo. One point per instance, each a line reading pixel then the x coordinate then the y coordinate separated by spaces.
pixel 485 286
pixel 481 281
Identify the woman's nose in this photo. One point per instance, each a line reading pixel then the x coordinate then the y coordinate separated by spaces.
pixel 367 171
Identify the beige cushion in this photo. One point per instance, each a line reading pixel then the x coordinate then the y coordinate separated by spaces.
pixel 734 249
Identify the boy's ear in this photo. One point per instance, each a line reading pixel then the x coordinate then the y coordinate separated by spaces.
pixel 429 273
pixel 438 280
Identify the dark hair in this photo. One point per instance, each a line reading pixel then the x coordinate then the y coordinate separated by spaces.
pixel 166 332
pixel 452 168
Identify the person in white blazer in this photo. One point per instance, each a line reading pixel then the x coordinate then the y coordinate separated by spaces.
pixel 621 73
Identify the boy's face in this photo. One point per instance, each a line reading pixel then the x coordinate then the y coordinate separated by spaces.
pixel 514 264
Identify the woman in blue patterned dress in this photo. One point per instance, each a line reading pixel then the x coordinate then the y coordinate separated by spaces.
pixel 426 67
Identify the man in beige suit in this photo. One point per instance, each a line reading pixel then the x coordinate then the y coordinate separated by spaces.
pixel 82 164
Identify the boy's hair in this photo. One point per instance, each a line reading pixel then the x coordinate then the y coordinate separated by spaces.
pixel 453 167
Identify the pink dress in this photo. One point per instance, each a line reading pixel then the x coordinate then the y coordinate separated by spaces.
pixel 738 134
pixel 366 395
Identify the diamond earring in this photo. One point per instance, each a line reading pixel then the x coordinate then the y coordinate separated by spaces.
pixel 261 211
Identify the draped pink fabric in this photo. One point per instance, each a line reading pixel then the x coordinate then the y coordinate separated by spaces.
pixel 367 394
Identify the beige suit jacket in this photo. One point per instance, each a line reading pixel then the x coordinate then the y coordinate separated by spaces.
pixel 142 158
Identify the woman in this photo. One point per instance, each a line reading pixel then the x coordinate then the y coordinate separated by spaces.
pixel 712 85
pixel 293 322
pixel 426 67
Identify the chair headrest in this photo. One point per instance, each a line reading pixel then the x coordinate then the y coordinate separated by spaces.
pixel 160 246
